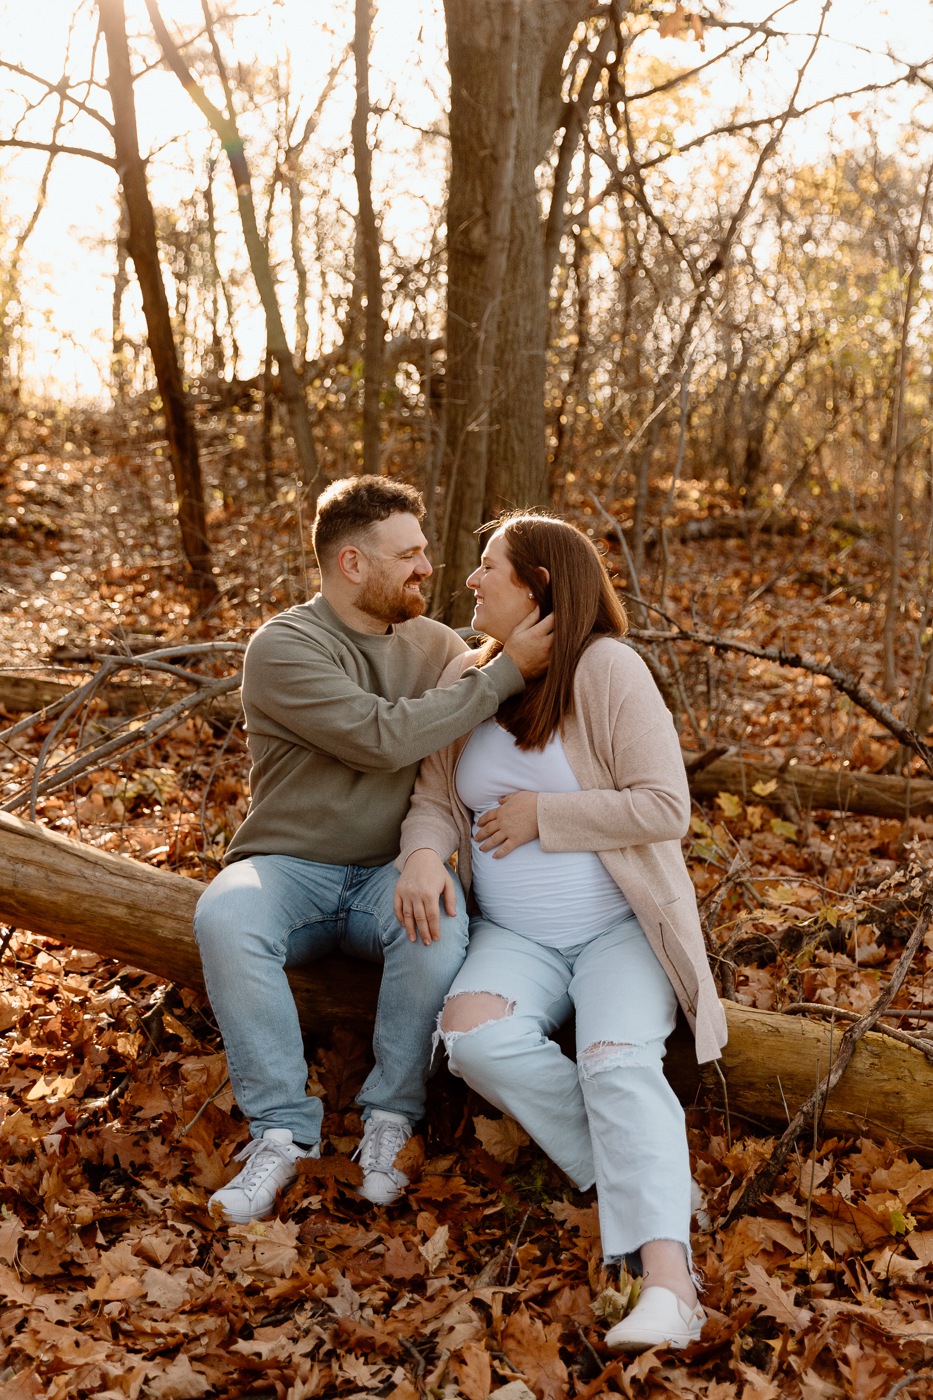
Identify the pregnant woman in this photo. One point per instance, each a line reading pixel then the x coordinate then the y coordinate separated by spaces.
pixel 566 812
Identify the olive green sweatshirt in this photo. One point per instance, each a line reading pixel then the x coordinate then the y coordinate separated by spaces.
pixel 337 722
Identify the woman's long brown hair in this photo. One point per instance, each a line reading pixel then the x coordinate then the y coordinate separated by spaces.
pixel 577 589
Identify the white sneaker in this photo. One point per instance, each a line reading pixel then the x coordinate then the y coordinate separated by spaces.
pixel 384 1135
pixel 270 1168
pixel 658 1319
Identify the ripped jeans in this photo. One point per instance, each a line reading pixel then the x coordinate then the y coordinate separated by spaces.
pixel 611 1118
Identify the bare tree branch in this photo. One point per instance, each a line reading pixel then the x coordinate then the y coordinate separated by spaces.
pixel 57 149
pixel 840 679
pixel 60 89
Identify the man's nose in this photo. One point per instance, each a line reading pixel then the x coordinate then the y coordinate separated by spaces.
pixel 423 566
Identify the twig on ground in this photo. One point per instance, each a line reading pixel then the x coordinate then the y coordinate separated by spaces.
pixel 508 1272
pixel 588 1346
pixel 110 665
pixel 707 757
pixel 420 1363
pixel 151 1024
pixel 714 902
pixel 767 1174
pixel 905 1381
pixel 209 1100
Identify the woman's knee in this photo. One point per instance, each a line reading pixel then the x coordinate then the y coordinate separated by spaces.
pixel 468 1011
pixel 608 1056
pixel 477 1031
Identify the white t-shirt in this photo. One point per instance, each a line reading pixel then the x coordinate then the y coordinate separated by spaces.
pixel 561 898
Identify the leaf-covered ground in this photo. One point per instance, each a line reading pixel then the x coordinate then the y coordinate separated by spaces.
pixel 118 1121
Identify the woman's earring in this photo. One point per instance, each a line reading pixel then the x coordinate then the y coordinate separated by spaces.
pixel 531 596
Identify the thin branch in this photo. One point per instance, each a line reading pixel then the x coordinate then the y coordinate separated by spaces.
pixel 918 1042
pixel 55 149
pixel 840 679
pixel 60 89
pixel 222 123
pixel 576 113
pixel 756 123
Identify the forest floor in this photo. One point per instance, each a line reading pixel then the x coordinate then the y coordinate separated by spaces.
pixel 118 1121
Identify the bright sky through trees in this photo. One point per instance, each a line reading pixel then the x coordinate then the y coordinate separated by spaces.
pixel 70 257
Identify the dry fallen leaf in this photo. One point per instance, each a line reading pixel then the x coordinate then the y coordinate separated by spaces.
pixel 776 1300
pixel 502 1138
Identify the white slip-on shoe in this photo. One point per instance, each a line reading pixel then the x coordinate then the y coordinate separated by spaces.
pixel 270 1167
pixel 384 1135
pixel 658 1319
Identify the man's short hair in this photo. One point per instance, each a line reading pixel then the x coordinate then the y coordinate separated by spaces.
pixel 349 508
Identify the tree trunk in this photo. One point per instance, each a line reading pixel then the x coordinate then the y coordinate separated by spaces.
pixel 123 909
pixel 505 66
pixel 369 241
pixel 144 250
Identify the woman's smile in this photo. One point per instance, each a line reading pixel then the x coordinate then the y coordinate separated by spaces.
pixel 501 600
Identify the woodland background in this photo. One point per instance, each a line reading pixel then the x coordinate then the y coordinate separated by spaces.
pixel 658 267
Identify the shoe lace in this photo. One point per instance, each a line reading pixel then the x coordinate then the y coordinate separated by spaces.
pixel 259 1154
pixel 381 1143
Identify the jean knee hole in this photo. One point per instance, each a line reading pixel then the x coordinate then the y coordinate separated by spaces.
pixel 605 1055
pixel 507 1009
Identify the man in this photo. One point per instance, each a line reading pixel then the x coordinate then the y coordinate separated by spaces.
pixel 341 705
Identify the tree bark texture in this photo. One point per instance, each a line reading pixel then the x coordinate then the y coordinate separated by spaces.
pixel 143 246
pixel 369 242
pixel 825 789
pixel 123 909
pixel 505 65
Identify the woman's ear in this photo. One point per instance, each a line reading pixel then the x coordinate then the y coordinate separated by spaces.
pixel 546 605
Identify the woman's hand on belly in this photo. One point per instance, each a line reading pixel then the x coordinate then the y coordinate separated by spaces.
pixel 423 883
pixel 514 822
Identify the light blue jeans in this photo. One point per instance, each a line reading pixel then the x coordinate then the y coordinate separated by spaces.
pixel 264 914
pixel 611 1118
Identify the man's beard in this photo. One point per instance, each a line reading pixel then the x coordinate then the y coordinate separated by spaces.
pixel 388 603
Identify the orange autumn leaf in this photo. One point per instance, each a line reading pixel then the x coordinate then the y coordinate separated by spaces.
pixel 502 1138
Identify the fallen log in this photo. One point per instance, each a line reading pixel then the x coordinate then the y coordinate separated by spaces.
pixel 141 916
pixel 27 695
pixel 796 785
pixel 800 786
pixel 124 909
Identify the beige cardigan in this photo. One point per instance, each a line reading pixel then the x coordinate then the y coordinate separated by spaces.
pixel 633 809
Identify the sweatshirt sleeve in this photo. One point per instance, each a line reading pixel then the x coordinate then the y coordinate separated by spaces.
pixel 650 797
pixel 302 693
pixel 431 823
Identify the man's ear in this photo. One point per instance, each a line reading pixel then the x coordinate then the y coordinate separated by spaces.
pixel 350 562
